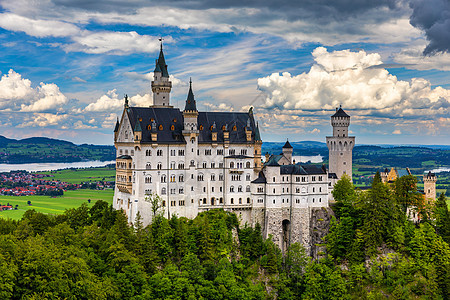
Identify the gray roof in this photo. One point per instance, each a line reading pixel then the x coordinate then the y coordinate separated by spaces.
pixel 190 101
pixel 161 64
pixel 166 116
pixel 116 128
pixel 261 178
pixel 340 113
pixel 287 145
pixel 299 169
pixel 124 157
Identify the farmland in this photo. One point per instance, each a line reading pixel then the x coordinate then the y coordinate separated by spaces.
pixel 49 205
pixel 83 175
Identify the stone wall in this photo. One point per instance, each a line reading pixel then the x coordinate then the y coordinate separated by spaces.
pixel 319 228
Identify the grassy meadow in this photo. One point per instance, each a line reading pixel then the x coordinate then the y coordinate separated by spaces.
pixel 82 175
pixel 49 205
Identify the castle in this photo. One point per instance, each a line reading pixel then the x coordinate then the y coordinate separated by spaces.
pixel 197 161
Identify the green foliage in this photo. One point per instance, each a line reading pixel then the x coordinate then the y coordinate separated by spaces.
pixel 441 216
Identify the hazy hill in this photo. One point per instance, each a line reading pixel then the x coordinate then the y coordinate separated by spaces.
pixel 42 149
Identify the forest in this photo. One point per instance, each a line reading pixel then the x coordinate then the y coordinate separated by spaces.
pixel 374 251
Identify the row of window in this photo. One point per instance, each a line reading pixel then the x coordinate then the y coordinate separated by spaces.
pixel 299 178
pixel 297 201
pixel 240 165
pixel 239 189
pixel 173 152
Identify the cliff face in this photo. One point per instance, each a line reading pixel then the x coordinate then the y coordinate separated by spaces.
pixel 319 227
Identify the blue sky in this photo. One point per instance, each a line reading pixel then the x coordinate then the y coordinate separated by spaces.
pixel 66 65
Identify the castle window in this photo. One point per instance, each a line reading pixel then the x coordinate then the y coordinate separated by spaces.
pixel 219 151
pixel 247 165
pixel 240 200
pixel 172 165
pixel 274 179
pixel 159 167
pixel 132 152
pixel 181 178
pixel 159 153
pixel 172 127
pixel 148 179
pixel 192 163
pixel 273 201
pixel 180 152
pixel 223 128
pixel 163 178
pixel 234 128
pixel 213 165
pixel 172 178
pixel 200 177
pixel 221 200
pixel 211 128
pixel 240 189
pixel 174 120
pixel 148 152
pixel 231 189
pixel 181 166
pixel 314 189
pixel 232 201
pixel 231 165
pixel 320 178
pixel 201 127
pixel 247 177
pixel 204 165
pixel 163 192
pixel 213 177
pixel 164 203
pixel 149 127
pixel 140 119
pixel 160 127
pixel 247 189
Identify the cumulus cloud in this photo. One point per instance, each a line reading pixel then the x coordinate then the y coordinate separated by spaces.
pixel 108 102
pixel 347 78
pixel 221 107
pixel 16 93
pixel 110 120
pixel 397 131
pixel 79 125
pixel 433 17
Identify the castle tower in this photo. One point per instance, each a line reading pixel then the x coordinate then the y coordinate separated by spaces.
pixel 287 151
pixel 429 186
pixel 340 145
pixel 161 85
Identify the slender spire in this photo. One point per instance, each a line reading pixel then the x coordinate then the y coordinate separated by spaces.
pixel 126 101
pixel 257 134
pixel 117 125
pixel 190 101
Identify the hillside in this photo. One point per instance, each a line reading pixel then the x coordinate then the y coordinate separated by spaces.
pixel 45 150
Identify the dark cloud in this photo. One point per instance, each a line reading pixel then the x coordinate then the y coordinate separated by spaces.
pixel 433 17
pixel 323 10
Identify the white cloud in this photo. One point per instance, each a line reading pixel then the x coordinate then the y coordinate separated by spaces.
pixel 49 97
pixel 120 43
pixel 110 121
pixel 38 28
pixel 79 125
pixel 17 93
pixel 397 131
pixel 346 78
pixel 43 120
pixel 221 107
pixel 106 103
pixel 414 59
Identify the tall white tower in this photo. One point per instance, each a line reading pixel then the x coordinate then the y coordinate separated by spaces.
pixel 161 85
pixel 429 186
pixel 340 145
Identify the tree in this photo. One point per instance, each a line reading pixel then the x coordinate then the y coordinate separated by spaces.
pixel 442 218
pixel 156 204
pixel 344 194
pixel 406 193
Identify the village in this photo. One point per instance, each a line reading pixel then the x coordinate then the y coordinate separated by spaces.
pixel 24 183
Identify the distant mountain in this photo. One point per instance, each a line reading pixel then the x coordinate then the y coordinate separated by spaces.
pixel 43 150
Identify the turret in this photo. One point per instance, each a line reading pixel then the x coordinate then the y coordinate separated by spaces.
pixel 287 151
pixel 429 186
pixel 340 145
pixel 137 131
pixel 161 85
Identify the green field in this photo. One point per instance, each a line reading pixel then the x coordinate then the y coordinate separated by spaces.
pixel 83 175
pixel 51 205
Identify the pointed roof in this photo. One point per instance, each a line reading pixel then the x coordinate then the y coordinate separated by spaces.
pixel 190 101
pixel 257 134
pixel 117 126
pixel 137 127
pixel 161 64
pixel 340 113
pixel 287 145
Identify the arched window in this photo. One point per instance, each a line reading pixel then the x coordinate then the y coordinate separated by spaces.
pixel 247 189
pixel 159 166
pixel 247 165
pixel 163 191
pixel 148 166
pixel 163 178
pixel 234 128
pixel 201 127
pixel 172 127
pixel 192 163
pixel 231 189
pixel 231 165
pixel 148 179
pixel 240 188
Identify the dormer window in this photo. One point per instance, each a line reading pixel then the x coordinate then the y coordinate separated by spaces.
pixel 160 127
pixel 172 127
pixel 201 127
pixel 223 128
pixel 234 128
pixel 174 120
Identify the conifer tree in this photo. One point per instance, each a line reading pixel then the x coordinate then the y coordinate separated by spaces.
pixel 442 218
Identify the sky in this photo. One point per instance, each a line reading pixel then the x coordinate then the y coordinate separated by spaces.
pixel 66 65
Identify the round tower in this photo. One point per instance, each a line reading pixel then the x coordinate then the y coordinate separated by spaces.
pixel 429 186
pixel 340 145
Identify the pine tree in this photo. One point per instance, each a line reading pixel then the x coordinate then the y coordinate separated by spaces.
pixel 442 218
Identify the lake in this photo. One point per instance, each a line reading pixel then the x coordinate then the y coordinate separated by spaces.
pixel 440 169
pixel 53 166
